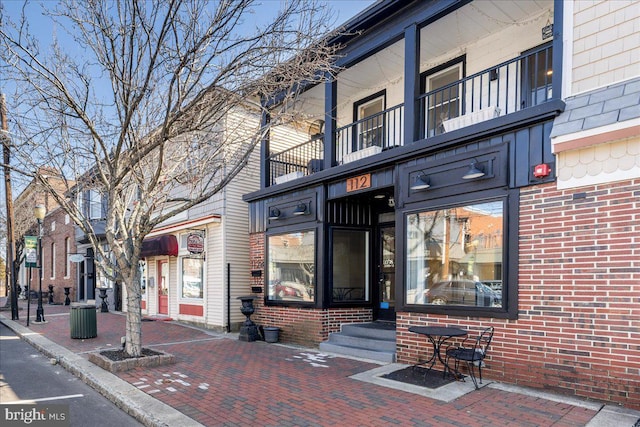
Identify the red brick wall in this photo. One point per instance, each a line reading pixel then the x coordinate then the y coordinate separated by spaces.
pixel 57 236
pixel 304 326
pixel 578 327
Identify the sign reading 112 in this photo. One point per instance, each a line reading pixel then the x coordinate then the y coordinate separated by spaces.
pixel 358 182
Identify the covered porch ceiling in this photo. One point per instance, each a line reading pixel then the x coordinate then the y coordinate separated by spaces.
pixel 440 41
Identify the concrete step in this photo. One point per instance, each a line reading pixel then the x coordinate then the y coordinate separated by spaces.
pixel 376 330
pixel 340 338
pixel 374 341
pixel 380 356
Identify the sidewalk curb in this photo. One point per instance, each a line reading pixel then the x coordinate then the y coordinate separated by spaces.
pixel 144 408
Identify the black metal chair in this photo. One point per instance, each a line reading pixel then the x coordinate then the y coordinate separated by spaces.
pixel 472 355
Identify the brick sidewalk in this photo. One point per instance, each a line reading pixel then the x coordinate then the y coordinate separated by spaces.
pixel 221 381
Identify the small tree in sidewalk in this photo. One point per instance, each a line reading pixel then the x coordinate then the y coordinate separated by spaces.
pixel 132 102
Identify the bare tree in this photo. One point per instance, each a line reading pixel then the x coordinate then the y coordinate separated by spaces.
pixel 134 103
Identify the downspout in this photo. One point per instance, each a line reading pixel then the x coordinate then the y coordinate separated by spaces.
pixel 228 297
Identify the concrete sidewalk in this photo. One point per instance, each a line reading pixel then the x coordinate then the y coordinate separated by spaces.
pixel 221 381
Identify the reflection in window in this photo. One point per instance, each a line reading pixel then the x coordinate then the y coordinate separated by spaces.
pixel 442 104
pixel 291 260
pixel 371 123
pixel 192 277
pixel 350 265
pixel 454 256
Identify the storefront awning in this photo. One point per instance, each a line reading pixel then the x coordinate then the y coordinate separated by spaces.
pixel 158 246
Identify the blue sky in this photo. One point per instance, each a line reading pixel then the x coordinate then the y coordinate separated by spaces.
pixel 45 30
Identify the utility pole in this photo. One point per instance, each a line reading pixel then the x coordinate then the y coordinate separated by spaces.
pixel 11 245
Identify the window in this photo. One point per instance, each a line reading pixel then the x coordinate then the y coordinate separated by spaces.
pixel 291 266
pixel 370 118
pixel 80 202
pixel 67 250
pixel 192 284
pixel 454 256
pixel 537 70
pixel 442 104
pixel 95 205
pixel 142 267
pixel 350 260
pixel 52 260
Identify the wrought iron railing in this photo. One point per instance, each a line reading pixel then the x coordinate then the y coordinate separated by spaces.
pixel 298 161
pixel 383 130
pixel 497 91
pixel 500 90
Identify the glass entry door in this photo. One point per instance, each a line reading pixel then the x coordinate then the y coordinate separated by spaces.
pixel 386 305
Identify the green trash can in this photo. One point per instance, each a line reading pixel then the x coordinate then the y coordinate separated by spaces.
pixel 83 321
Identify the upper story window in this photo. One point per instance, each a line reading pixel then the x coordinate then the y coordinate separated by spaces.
pixel 370 118
pixel 444 101
pixel 291 266
pixel 537 73
pixel 95 205
pixel 455 256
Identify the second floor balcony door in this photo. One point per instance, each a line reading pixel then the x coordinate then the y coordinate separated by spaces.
pixel 370 119
pixel 442 104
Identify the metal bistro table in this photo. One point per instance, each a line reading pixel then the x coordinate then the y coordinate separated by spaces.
pixel 438 335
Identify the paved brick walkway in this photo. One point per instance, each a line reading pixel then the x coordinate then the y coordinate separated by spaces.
pixel 221 381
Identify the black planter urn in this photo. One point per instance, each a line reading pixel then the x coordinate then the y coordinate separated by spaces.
pixel 248 330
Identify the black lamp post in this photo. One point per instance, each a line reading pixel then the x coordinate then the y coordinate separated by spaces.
pixel 39 212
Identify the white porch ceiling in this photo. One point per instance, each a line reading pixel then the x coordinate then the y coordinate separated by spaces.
pixel 442 40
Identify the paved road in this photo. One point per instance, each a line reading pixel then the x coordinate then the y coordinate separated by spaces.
pixel 27 375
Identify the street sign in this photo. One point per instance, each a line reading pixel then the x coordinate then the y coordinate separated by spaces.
pixel 31 251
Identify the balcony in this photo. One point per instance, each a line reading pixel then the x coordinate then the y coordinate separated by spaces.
pixel 500 90
pixel 433 84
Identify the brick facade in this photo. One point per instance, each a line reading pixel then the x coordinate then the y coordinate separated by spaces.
pixel 64 274
pixel 577 330
pixel 304 326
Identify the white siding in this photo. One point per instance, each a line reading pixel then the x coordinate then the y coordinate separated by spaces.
pixel 605 43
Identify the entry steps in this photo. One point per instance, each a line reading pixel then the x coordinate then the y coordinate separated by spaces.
pixel 373 341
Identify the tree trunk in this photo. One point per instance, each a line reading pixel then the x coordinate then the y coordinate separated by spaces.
pixel 133 345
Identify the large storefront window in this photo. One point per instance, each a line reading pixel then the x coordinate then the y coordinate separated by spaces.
pixel 291 260
pixel 350 265
pixel 454 256
pixel 192 278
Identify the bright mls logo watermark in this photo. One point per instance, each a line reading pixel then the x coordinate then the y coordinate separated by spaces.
pixel 35 415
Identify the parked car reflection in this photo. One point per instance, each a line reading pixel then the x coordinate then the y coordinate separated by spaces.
pixel 288 290
pixel 462 292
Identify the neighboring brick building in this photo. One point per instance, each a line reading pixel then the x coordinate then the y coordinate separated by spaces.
pixel 58 244
pixel 57 236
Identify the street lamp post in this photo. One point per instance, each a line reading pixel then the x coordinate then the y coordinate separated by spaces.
pixel 39 212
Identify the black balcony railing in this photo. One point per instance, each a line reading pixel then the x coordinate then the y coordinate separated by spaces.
pixel 298 161
pixel 383 130
pixel 497 91
pixel 500 90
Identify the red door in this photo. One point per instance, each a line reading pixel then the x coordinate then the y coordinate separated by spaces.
pixel 163 287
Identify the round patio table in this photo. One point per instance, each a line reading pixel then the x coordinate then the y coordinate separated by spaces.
pixel 438 335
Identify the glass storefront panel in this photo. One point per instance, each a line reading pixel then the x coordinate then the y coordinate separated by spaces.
pixel 350 265
pixel 192 286
pixel 291 262
pixel 454 256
